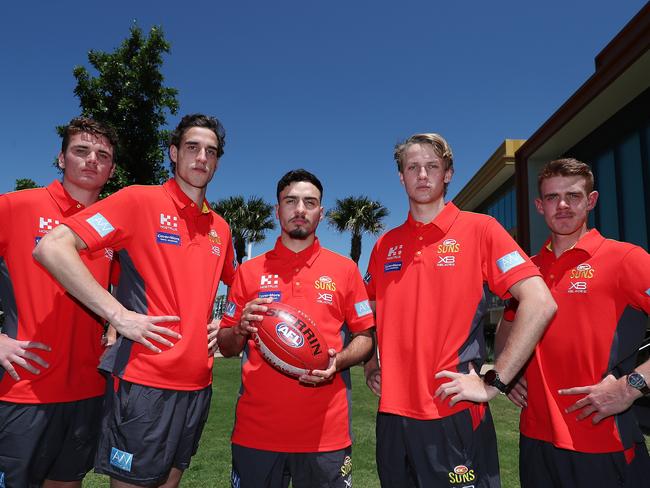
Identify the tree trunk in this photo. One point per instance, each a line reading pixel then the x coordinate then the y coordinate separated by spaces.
pixel 355 250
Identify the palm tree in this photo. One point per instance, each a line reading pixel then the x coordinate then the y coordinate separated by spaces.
pixel 248 220
pixel 357 215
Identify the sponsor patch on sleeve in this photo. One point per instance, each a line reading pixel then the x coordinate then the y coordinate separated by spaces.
pixel 509 261
pixel 393 266
pixel 275 295
pixel 102 226
pixel 121 459
pixel 230 309
pixel 362 308
pixel 367 278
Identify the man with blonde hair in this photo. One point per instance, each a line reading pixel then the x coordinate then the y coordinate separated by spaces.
pixel 426 279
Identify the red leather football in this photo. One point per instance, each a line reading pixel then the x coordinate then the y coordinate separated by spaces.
pixel 290 341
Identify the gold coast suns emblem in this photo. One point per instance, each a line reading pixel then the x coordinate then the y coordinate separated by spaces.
pixel 461 474
pixel 325 283
pixel 214 237
pixel 446 252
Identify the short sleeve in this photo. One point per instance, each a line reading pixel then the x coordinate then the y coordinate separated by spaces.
pixel 371 274
pixel 236 300
pixel 504 262
pixel 107 223
pixel 634 278
pixel 358 313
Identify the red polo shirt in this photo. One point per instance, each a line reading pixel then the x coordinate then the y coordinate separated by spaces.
pixel 601 286
pixel 427 281
pixel 275 412
pixel 172 255
pixel 38 309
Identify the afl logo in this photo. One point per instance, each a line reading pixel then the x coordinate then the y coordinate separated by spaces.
pixel 449 242
pixel 325 279
pixel 461 469
pixel 290 335
pixel 583 267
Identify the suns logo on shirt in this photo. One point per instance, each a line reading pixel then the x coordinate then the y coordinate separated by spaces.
pixel 582 271
pixel 214 237
pixel 448 246
pixel 461 474
pixel 325 283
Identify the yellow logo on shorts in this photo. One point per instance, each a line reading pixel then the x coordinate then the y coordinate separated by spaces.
pixel 461 474
pixel 346 469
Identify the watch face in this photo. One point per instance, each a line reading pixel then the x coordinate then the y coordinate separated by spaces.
pixel 635 380
pixel 490 377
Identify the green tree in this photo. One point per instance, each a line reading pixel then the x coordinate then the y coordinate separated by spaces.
pixel 24 183
pixel 248 220
pixel 128 93
pixel 358 215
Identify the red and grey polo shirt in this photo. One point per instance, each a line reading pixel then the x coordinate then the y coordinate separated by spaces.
pixel 276 412
pixel 172 255
pixel 427 281
pixel 37 308
pixel 602 288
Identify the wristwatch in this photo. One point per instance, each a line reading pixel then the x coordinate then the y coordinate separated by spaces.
pixel 491 378
pixel 637 381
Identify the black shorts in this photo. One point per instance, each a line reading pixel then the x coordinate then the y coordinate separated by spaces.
pixel 255 468
pixel 455 451
pixel 147 431
pixel 541 464
pixel 54 441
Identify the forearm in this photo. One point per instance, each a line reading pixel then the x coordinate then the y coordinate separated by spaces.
pixel 504 328
pixel 359 349
pixel 536 309
pixel 58 253
pixel 230 343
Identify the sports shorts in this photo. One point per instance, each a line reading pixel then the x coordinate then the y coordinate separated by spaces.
pixel 255 468
pixel 541 464
pixel 54 441
pixel 147 431
pixel 452 452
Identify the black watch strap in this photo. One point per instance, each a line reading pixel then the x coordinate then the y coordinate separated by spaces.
pixel 637 381
pixel 492 378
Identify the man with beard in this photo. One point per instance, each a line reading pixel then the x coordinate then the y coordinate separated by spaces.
pixel 287 429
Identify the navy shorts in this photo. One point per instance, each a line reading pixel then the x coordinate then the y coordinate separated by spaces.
pixel 451 452
pixel 255 468
pixel 148 431
pixel 54 441
pixel 541 464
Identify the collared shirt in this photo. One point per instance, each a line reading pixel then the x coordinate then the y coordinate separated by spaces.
pixel 601 287
pixel 37 308
pixel 427 281
pixel 172 255
pixel 297 417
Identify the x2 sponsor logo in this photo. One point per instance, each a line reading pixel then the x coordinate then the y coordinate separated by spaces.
pixel 326 298
pixel 577 287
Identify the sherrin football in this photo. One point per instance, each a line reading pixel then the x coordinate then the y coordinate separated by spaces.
pixel 290 341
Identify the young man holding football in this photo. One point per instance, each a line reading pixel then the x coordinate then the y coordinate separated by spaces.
pixel 173 251
pixel 426 280
pixel 50 390
pixel 286 428
pixel 577 428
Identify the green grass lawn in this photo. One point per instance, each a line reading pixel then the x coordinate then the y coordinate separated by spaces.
pixel 211 465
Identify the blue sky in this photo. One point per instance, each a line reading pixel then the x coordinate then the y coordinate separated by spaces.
pixel 329 86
